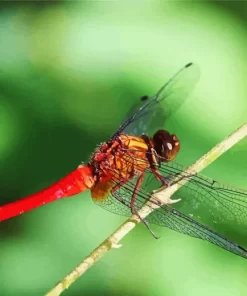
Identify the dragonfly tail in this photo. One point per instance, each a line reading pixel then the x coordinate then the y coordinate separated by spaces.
pixel 74 183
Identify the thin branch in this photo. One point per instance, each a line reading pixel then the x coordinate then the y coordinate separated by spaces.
pixel 163 195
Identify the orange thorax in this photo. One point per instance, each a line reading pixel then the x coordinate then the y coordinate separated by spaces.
pixel 118 161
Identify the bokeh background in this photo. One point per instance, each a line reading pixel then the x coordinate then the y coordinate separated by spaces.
pixel 69 72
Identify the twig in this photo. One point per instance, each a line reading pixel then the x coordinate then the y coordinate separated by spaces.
pixel 163 195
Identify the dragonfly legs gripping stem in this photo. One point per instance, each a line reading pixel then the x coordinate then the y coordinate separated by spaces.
pixel 132 204
pixel 134 212
pixel 145 222
pixel 181 178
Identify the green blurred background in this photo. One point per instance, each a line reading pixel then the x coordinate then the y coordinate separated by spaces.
pixel 69 72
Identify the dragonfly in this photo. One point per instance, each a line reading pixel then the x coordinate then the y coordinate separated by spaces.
pixel 139 157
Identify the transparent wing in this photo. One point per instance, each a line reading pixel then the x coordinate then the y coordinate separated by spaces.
pixel 175 220
pixel 150 113
pixel 207 201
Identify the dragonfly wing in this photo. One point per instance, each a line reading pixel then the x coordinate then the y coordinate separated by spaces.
pixel 179 222
pixel 205 199
pixel 114 205
pixel 119 202
pixel 150 113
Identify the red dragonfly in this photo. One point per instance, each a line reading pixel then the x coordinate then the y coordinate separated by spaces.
pixel 138 158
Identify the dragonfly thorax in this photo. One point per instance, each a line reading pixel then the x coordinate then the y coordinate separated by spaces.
pixel 122 158
pixel 127 156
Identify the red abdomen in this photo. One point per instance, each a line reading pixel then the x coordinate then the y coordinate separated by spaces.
pixel 74 183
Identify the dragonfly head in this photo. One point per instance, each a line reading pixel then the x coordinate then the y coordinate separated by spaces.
pixel 166 145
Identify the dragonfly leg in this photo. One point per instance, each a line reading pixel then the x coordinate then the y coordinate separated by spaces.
pixel 118 185
pixel 188 176
pixel 137 187
pixel 145 223
pixel 165 180
pixel 132 204
pixel 159 177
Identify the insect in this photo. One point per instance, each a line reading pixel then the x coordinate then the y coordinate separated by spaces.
pixel 140 157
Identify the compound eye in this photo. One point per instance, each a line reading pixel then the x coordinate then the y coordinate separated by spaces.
pixel 166 145
pixel 175 147
pixel 169 146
